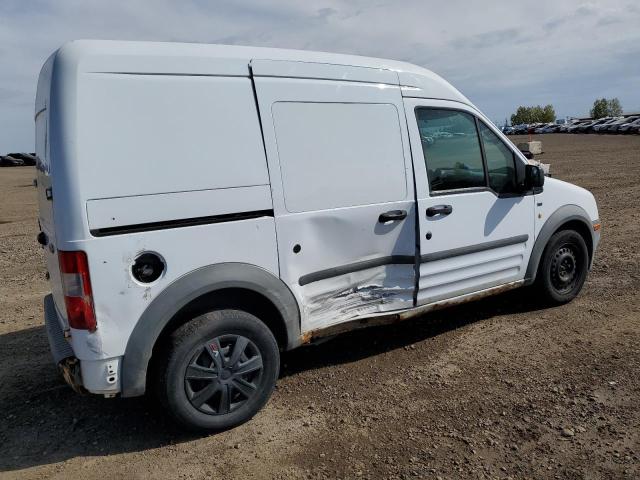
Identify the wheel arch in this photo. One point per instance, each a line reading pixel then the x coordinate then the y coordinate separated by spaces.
pixel 222 285
pixel 567 217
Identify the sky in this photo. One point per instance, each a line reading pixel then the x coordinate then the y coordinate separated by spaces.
pixel 500 54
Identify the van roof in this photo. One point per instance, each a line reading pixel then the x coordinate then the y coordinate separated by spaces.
pixel 108 56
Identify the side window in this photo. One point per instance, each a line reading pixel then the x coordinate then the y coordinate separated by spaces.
pixel 500 162
pixel 451 149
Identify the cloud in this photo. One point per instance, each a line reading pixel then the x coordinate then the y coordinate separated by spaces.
pixel 500 54
pixel 491 39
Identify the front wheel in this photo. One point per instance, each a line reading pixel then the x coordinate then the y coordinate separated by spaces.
pixel 564 267
pixel 218 370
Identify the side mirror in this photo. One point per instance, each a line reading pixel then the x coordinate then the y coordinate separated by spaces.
pixel 534 177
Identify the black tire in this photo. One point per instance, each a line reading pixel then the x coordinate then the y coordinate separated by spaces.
pixel 233 397
pixel 563 268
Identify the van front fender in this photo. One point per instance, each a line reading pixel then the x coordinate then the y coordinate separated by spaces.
pixel 562 216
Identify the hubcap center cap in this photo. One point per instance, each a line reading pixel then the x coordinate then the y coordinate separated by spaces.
pixel 225 374
pixel 566 269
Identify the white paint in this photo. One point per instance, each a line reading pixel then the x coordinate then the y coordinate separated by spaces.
pixel 120 301
pixel 139 209
pixel 477 217
pixel 556 194
pixel 339 154
pixel 323 71
pixel 135 132
pixel 333 237
pixel 101 376
pixel 208 126
pixel 426 84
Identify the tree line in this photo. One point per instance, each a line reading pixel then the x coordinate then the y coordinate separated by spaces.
pixel 602 107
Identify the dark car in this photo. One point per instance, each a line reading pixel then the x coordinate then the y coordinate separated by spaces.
pixel 630 127
pixel 9 161
pixel 520 129
pixel 615 127
pixel 588 128
pixel 574 128
pixel 27 158
pixel 553 128
pixel 603 126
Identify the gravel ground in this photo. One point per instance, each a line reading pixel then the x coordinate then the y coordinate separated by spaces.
pixel 495 389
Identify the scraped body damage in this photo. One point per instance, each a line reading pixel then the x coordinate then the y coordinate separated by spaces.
pixel 356 295
pixel 387 318
pixel 340 239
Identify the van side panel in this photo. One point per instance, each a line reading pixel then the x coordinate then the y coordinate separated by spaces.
pixel 132 149
pixel 173 133
pixel 139 211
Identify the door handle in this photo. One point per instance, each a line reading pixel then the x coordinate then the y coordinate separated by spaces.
pixel 392 216
pixel 439 210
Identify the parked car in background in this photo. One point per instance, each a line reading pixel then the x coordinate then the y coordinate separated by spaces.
pixel 588 127
pixel 534 126
pixel 520 129
pixel 27 158
pixel 613 128
pixel 574 128
pixel 565 128
pixel 601 121
pixel 630 127
pixel 551 128
pixel 9 161
pixel 540 127
pixel 604 125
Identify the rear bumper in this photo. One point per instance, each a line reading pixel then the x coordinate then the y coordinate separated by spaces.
pixel 60 347
pixel 61 350
pixel 99 376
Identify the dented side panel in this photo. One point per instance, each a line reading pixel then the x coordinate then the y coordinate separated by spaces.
pixel 356 295
pixel 347 239
pixel 338 157
pixel 396 317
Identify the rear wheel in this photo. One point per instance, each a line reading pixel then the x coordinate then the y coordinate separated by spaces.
pixel 218 370
pixel 564 267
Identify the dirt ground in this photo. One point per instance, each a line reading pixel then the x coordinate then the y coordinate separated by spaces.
pixel 495 389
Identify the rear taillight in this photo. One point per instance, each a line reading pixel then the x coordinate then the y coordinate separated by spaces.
pixel 76 288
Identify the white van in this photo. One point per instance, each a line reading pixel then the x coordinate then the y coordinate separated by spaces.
pixel 204 207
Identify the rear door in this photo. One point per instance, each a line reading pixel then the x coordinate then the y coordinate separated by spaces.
pixel 342 185
pixel 45 208
pixel 476 228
